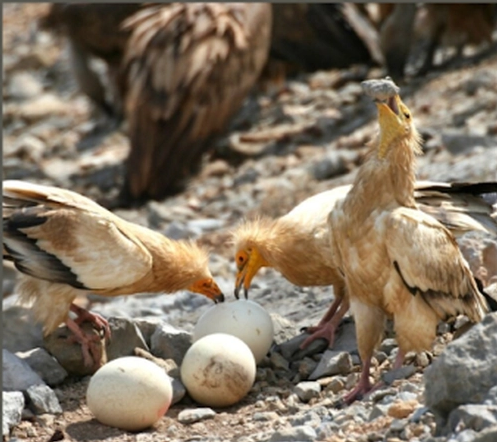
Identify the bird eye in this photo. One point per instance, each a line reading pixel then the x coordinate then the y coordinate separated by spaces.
pixel 407 115
pixel 241 259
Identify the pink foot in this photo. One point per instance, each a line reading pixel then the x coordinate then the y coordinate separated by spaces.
pixel 90 344
pixel 84 315
pixel 326 331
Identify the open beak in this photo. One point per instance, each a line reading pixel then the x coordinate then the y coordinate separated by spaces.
pixel 209 288
pixel 388 106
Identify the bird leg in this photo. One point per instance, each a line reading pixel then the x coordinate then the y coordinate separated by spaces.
pixel 329 323
pixel 92 354
pixel 84 315
pixel 362 387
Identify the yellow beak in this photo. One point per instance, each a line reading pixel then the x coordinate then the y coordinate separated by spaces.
pixel 209 288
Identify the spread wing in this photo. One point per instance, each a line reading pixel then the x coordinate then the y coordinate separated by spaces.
pixel 460 207
pixel 61 236
pixel 428 260
pixel 189 66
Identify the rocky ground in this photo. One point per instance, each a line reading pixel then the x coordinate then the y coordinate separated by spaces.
pixel 285 145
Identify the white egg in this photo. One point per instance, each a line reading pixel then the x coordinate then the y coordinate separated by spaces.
pixel 130 393
pixel 218 370
pixel 244 319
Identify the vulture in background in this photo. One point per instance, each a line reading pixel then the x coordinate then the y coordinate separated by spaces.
pixel 64 244
pixel 396 260
pixel 297 244
pixel 180 72
pixel 455 25
pixel 187 69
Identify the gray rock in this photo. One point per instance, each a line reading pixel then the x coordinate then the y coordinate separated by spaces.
pixel 418 414
pixel 179 390
pixel 307 390
pixel 487 435
pixel 378 410
pixel 310 418
pixel 303 433
pixel 169 342
pixel 148 327
pixel 17 375
pixel 125 337
pixel 331 165
pixel 12 406
pixel 277 361
pixel 265 416
pixel 388 345
pixel 284 329
pixel 476 417
pixel 43 400
pixel 403 372
pixel 457 142
pixel 23 85
pixel 465 371
pixel 291 351
pixel 45 365
pixel 195 415
pixel 332 363
pixel 491 397
pixel 20 332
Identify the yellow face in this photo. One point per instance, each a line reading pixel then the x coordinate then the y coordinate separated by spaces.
pixel 248 263
pixel 395 122
pixel 209 288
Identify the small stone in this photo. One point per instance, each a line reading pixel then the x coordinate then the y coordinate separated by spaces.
pixel 17 375
pixel 401 373
pixel 195 415
pixel 265 416
pixel 284 329
pixel 179 390
pixel 306 367
pixel 302 433
pixel 398 425
pixel 169 342
pixel 418 414
pixel 43 400
pixel 44 106
pixel 23 85
pixel 402 409
pixel 45 365
pixel 332 363
pixel 307 390
pixel 277 361
pixel 309 418
pixel 378 410
pixel 388 345
pixel 12 406
pixel 336 385
pixel 487 435
pixel 473 416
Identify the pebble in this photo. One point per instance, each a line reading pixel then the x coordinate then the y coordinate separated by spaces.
pixel 42 399
pixel 191 416
pixel 332 363
pixel 403 372
pixel 303 433
pixel 45 365
pixel 12 406
pixel 307 390
pixel 402 409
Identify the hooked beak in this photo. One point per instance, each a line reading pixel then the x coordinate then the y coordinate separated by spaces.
pixel 246 273
pixel 209 288
pixel 388 106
